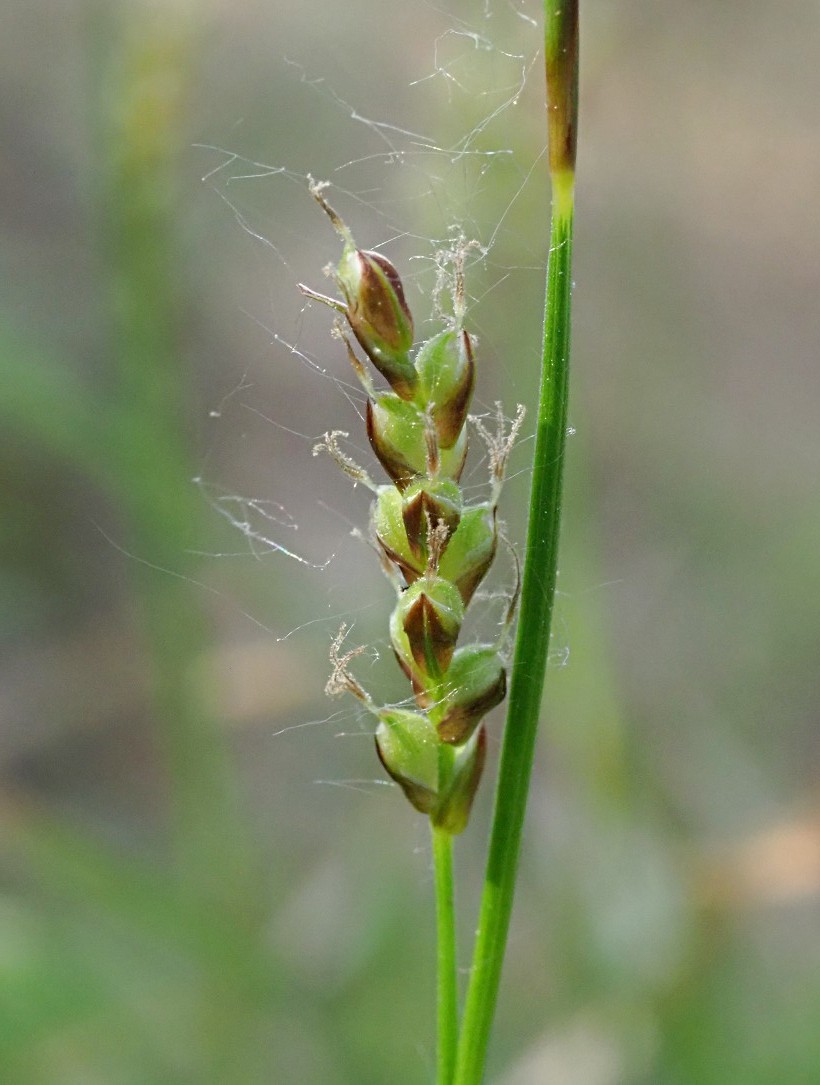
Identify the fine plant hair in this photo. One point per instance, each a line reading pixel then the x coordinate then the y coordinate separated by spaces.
pixel 436 548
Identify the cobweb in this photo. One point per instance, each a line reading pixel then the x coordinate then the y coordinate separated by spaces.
pixel 439 141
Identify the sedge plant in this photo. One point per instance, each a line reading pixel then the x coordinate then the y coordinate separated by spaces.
pixel 436 548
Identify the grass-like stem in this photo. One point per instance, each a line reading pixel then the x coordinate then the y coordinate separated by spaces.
pixel 540 565
pixel 447 994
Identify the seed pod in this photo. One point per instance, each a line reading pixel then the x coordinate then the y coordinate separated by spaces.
pixel 471 550
pixel 379 316
pixel 476 681
pixel 446 376
pixel 408 747
pixel 453 809
pixel 424 628
pixel 398 435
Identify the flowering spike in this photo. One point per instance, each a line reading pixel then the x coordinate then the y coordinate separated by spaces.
pixel 433 548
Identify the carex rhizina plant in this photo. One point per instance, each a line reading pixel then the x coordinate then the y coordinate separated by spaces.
pixel 437 548
pixel 434 546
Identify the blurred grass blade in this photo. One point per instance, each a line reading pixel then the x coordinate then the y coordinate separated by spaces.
pixel 43 402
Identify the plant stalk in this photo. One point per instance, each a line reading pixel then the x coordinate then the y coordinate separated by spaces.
pixel 540 566
pixel 447 994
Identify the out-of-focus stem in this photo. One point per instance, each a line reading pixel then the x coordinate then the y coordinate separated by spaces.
pixel 145 88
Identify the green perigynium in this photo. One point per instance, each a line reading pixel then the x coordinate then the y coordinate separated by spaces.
pixel 436 548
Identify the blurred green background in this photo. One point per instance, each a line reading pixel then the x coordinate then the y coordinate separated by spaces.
pixel 202 876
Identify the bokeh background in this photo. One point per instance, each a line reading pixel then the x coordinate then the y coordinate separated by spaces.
pixel 203 877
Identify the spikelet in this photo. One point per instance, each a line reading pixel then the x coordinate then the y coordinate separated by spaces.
pixel 435 547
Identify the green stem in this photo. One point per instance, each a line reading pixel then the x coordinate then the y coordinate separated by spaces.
pixel 447 997
pixel 540 567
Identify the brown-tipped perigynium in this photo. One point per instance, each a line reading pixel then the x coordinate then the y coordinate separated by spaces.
pixel 426 504
pixel 399 435
pixel 379 316
pixel 475 683
pixel 402 522
pixel 470 552
pixel 446 377
pixel 424 629
pixel 407 745
pixel 443 787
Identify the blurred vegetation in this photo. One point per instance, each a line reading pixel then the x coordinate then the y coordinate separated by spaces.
pixel 181 898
